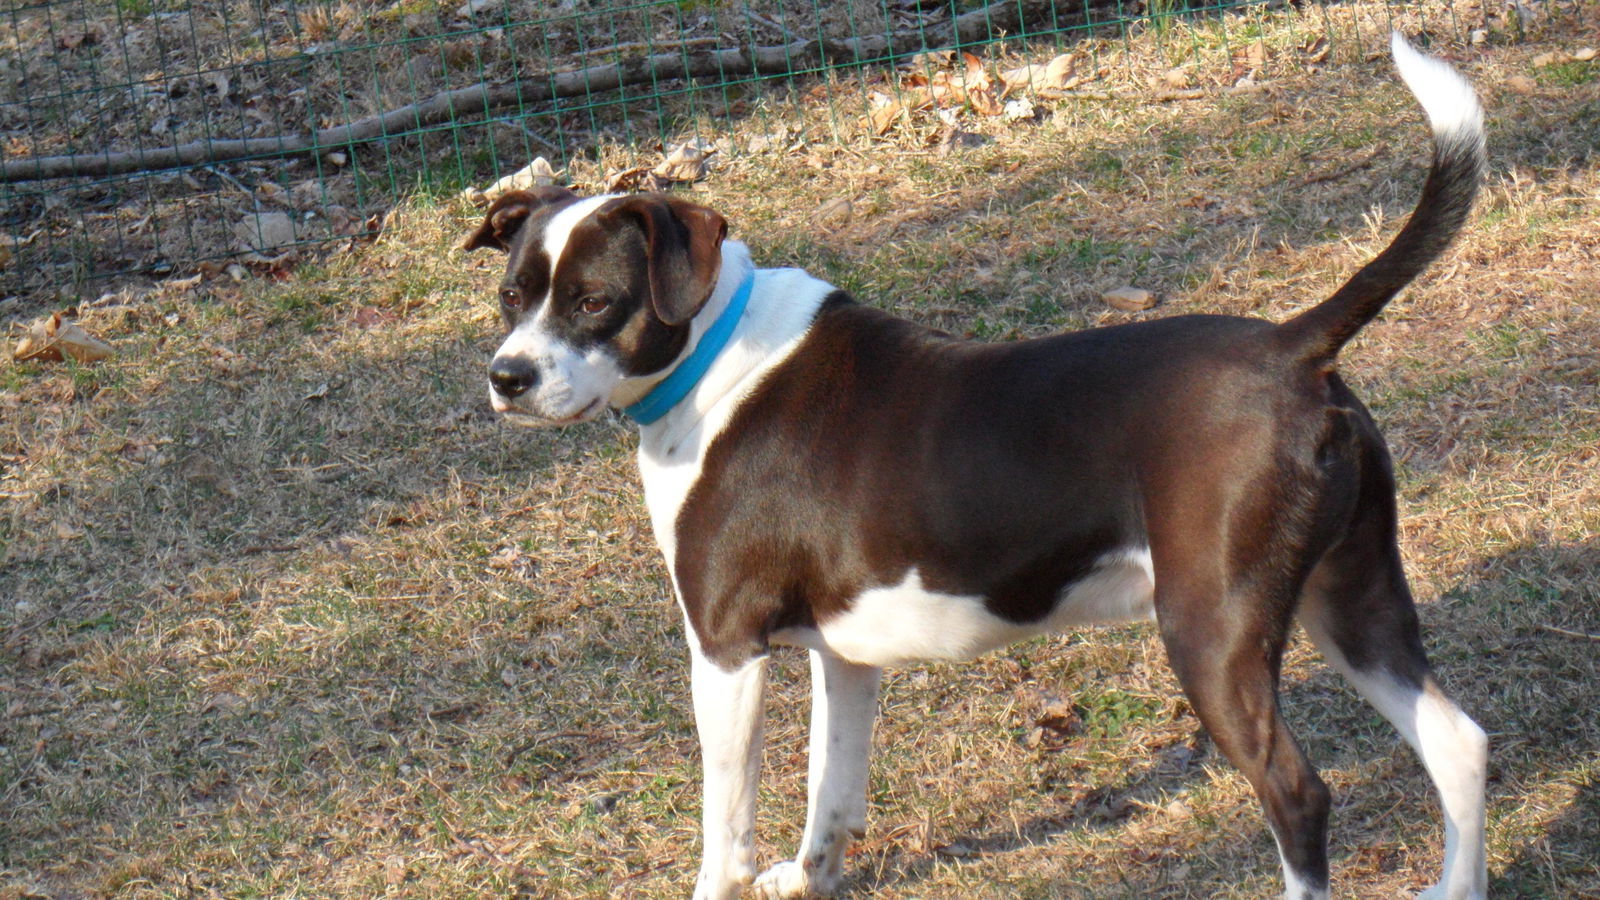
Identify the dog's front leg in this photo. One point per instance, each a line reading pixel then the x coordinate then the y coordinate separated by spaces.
pixel 728 709
pixel 844 703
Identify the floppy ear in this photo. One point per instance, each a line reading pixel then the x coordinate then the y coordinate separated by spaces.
pixel 507 215
pixel 684 242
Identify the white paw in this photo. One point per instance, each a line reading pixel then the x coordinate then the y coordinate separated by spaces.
pixel 1440 892
pixel 715 883
pixel 785 881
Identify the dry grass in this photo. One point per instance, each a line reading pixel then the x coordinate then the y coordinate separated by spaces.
pixel 288 614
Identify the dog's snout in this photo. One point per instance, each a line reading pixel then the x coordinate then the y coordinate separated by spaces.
pixel 512 376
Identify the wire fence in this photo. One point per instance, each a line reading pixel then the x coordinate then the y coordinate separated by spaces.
pixel 140 139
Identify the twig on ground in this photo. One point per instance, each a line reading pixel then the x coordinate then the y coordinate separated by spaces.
pixel 1581 635
pixel 18 633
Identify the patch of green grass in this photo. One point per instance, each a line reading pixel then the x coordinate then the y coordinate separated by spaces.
pixel 135 9
pixel 1508 341
pixel 1260 145
pixel 16 376
pixel 1568 74
pixel 1107 713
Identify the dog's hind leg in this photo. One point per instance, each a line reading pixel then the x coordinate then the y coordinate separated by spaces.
pixel 1360 615
pixel 1224 639
pixel 844 704
pixel 728 709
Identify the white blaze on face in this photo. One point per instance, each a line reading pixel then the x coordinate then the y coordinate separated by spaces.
pixel 573 384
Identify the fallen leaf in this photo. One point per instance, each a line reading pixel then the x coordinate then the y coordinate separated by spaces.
pixel 1585 54
pixel 1022 78
pixel 264 232
pixel 53 338
pixel 75 39
pixel 1248 59
pixel 1548 59
pixel 341 221
pixel 1058 715
pixel 975 76
pixel 932 59
pixel 974 85
pixel 1059 74
pixel 371 317
pixel 985 102
pixel 1129 298
pixel 882 118
pixel 1020 109
pixel 319 393
pixel 1177 78
pixel 1254 55
pixel 624 180
pixel 534 174
pixel 1522 84
pixel 272 192
pixel 688 162
pixel 833 212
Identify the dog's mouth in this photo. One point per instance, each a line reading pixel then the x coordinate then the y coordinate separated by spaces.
pixel 521 416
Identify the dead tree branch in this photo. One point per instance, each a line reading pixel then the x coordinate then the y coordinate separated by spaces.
pixel 797 56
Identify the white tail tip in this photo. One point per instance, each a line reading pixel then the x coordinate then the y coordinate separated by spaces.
pixel 1448 99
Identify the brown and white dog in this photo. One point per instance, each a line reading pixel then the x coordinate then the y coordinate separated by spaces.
pixel 823 475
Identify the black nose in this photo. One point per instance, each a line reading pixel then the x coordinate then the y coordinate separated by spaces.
pixel 512 376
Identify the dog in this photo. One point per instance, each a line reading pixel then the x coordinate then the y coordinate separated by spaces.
pixel 824 475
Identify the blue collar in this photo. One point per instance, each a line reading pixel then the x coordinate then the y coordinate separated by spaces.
pixel 670 390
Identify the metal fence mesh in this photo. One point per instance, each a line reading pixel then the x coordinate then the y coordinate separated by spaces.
pixel 144 137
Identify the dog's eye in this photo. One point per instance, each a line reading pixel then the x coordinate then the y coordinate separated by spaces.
pixel 594 306
pixel 511 297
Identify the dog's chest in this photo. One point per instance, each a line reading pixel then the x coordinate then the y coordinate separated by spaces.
pixel 672 453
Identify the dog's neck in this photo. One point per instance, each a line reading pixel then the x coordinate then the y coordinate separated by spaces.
pixel 782 304
pixel 736 264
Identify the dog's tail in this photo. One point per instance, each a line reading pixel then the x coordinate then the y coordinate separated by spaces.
pixel 1459 162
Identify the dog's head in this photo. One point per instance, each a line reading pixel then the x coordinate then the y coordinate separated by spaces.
pixel 598 295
